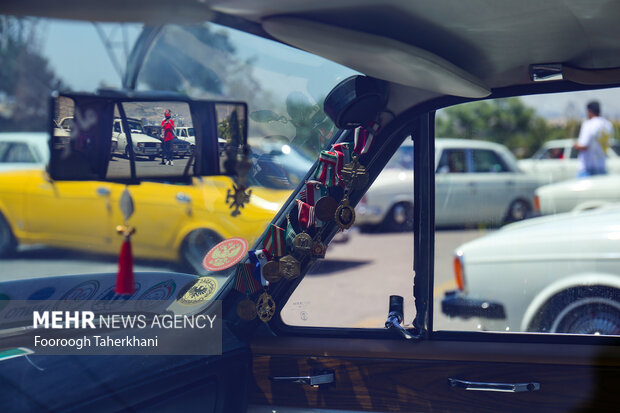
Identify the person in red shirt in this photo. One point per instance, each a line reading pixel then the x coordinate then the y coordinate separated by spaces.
pixel 167 130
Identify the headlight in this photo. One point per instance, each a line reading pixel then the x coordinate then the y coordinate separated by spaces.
pixel 139 144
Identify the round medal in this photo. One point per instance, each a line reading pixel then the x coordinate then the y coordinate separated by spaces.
pixel 345 215
pixel 302 243
pixel 246 309
pixel 265 307
pixel 271 271
pixel 319 249
pixel 325 208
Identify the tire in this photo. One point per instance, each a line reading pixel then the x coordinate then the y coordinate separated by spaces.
pixel 518 211
pixel 399 218
pixel 195 246
pixel 591 310
pixel 8 243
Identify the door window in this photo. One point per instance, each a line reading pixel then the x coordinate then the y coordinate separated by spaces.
pixel 555 273
pixel 488 161
pixel 452 161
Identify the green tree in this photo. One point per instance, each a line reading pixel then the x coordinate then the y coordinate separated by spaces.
pixel 506 121
pixel 26 80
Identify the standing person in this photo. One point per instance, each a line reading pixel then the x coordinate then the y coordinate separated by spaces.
pixel 167 129
pixel 594 139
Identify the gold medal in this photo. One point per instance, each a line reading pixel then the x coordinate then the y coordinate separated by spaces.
pixel 271 271
pixel 246 309
pixel 354 175
pixel 303 243
pixel 265 307
pixel 290 268
pixel 319 249
pixel 325 208
pixel 345 214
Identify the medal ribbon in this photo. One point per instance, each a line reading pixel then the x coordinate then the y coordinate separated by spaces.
pixel 245 281
pixel 258 259
pixel 346 149
pixel 314 191
pixel 326 171
pixel 274 243
pixel 364 136
pixel 305 214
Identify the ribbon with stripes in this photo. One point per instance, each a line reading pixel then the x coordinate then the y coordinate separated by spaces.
pixel 258 258
pixel 326 172
pixel 346 148
pixel 305 214
pixel 245 278
pixel 364 136
pixel 274 242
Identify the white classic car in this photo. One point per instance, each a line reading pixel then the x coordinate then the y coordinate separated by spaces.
pixel 556 161
pixel 186 133
pixel 23 150
pixel 476 182
pixel 578 194
pixel 143 144
pixel 558 274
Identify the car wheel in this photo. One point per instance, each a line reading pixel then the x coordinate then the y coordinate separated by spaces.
pixel 593 315
pixel 195 246
pixel 399 218
pixel 8 243
pixel 583 310
pixel 518 211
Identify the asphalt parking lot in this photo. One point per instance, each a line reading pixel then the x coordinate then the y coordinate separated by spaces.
pixel 350 287
pixel 119 167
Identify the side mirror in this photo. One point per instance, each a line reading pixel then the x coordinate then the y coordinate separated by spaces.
pixel 112 137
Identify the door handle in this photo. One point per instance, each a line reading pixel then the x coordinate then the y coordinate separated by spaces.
pixel 103 191
pixel 318 378
pixel 183 198
pixel 501 387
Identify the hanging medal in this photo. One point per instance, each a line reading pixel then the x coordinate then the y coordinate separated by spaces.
pixel 265 307
pixel 302 243
pixel 246 282
pixel 326 171
pixel 275 246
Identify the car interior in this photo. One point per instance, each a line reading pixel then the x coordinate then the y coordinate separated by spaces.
pixel 482 314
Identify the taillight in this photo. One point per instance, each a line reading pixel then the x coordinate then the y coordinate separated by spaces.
pixel 536 203
pixel 459 275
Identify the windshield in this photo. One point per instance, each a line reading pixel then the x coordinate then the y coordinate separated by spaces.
pixel 58 228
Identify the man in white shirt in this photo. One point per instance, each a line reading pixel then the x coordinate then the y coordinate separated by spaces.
pixel 595 137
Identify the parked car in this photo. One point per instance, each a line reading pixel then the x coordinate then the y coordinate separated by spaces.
pixel 556 161
pixel 476 182
pixel 23 150
pixel 143 144
pixel 82 216
pixel 559 274
pixel 186 133
pixel 577 194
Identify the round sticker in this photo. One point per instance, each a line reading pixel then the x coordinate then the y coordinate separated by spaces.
pixel 202 290
pixel 83 291
pixel 225 254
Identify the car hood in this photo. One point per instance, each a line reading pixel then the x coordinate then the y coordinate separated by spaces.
pixel 140 137
pixel 568 234
pixel 607 182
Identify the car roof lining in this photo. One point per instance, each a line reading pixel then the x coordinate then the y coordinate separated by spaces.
pixel 480 44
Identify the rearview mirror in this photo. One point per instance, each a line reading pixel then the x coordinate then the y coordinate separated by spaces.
pixel 129 138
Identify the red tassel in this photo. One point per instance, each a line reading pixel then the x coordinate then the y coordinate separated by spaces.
pixel 124 277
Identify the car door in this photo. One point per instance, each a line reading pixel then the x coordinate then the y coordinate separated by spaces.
pixel 70 214
pixel 117 133
pixel 456 187
pixel 436 368
pixel 492 181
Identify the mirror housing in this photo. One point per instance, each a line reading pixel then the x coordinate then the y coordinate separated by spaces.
pixel 121 137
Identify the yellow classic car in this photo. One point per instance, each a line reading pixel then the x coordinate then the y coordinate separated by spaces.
pixel 173 222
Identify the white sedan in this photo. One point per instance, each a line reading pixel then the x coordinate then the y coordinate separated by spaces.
pixel 476 182
pixel 556 161
pixel 551 274
pixel 23 150
pixel 578 194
